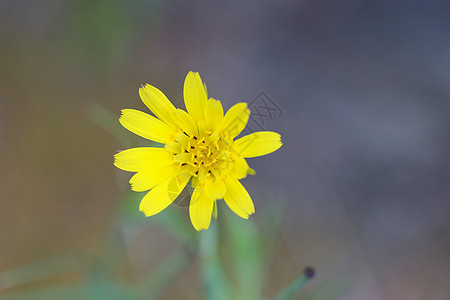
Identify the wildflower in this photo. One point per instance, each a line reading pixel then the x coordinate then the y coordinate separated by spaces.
pixel 199 148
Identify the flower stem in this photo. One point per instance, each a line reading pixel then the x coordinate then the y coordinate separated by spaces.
pixel 215 282
pixel 296 285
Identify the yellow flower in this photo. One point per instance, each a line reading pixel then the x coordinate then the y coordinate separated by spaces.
pixel 199 146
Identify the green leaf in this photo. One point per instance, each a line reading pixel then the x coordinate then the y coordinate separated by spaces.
pixel 69 292
pixel 109 122
pixel 45 268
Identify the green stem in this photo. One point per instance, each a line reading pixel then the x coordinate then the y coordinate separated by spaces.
pixel 296 285
pixel 215 282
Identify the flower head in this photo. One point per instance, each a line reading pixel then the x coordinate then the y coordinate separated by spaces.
pixel 199 147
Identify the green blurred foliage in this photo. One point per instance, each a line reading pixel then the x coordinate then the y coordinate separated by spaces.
pixel 234 254
pixel 100 32
pixel 247 260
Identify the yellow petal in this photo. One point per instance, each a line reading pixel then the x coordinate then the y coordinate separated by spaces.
pixel 185 122
pixel 173 147
pixel 237 198
pixel 215 188
pixel 158 103
pixel 163 194
pixel 148 179
pixel 146 126
pixel 182 157
pixel 200 209
pixel 235 119
pixel 241 168
pixel 142 158
pixel 257 144
pixel 194 96
pixel 183 139
pixel 213 114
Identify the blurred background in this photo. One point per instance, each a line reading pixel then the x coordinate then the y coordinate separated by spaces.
pixel 359 90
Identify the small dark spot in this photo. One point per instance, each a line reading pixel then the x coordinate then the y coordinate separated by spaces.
pixel 209 171
pixel 195 156
pixel 185 151
pixel 195 138
pixel 195 163
pixel 309 272
pixel 196 172
pixel 192 147
pixel 183 164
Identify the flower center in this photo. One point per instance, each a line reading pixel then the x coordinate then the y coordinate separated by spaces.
pixel 204 155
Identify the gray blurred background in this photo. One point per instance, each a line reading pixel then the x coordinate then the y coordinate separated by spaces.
pixel 362 88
